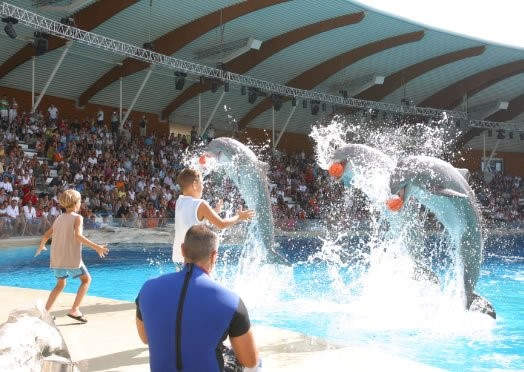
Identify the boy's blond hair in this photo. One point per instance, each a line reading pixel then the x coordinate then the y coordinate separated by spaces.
pixel 187 177
pixel 69 198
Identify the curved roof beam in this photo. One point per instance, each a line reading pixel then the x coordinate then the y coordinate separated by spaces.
pixel 175 40
pixel 452 96
pixel 398 79
pixel 314 76
pixel 247 61
pixel 86 19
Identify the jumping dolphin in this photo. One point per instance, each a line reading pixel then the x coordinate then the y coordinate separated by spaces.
pixel 250 176
pixel 442 189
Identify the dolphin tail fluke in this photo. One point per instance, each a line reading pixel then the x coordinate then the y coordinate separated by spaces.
pixel 481 305
pixel 274 257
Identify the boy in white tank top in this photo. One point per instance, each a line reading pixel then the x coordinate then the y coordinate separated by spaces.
pixel 191 209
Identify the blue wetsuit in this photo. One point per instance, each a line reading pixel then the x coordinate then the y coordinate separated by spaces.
pixel 209 314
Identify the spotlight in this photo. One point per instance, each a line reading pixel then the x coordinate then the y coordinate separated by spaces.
pixel 243 90
pixel 510 135
pixel 500 134
pixel 180 80
pixel 226 86
pixel 149 46
pixel 9 29
pixel 277 102
pixel 522 136
pixel 252 96
pixel 315 106
pixel 344 93
pixel 294 101
pixel 324 106
pixel 68 21
pixel 490 133
pixel 304 104
pixel 214 86
pixel 203 80
pixel 40 43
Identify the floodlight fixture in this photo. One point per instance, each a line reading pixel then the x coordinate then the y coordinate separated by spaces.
pixel 490 132
pixel 9 29
pixel 180 80
pixel 294 101
pixel 304 103
pixel 510 135
pixel 315 106
pixel 500 134
pixel 214 86
pixel 522 136
pixel 226 86
pixel 243 90
pixel 40 43
pixel 277 102
pixel 149 46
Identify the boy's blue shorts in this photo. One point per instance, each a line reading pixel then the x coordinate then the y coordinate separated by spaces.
pixel 73 273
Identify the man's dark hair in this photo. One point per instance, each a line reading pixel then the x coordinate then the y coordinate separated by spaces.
pixel 200 242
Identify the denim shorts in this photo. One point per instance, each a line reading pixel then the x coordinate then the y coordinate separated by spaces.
pixel 73 273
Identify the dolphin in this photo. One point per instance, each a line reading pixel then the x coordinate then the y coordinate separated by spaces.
pixel 443 190
pixel 249 174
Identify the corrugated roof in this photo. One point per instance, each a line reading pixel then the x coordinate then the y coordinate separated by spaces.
pixel 139 22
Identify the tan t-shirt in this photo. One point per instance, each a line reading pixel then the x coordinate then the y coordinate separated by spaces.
pixel 66 251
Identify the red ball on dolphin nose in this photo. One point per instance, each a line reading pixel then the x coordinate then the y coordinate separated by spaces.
pixel 395 203
pixel 336 170
pixel 202 159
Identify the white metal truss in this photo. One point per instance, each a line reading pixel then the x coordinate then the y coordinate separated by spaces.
pixel 56 28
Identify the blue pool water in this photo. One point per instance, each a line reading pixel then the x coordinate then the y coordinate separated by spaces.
pixel 334 302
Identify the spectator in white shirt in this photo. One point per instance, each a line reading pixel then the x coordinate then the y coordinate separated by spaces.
pixel 6 185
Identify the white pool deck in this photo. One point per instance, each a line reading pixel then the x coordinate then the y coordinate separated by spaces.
pixel 109 342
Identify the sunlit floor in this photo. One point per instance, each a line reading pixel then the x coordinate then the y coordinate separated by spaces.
pixel 108 342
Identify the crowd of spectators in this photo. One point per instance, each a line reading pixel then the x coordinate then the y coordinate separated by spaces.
pixel 128 174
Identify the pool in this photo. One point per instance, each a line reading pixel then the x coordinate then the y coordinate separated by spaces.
pixel 341 303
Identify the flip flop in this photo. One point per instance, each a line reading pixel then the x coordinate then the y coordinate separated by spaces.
pixel 79 318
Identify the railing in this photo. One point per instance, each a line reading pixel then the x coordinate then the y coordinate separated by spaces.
pixel 17 228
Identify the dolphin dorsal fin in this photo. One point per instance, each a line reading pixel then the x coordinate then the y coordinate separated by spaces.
pixel 464 172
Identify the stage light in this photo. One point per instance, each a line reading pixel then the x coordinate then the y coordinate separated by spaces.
pixel 226 86
pixel 315 106
pixel 500 134
pixel 510 135
pixel 180 80
pixel 149 46
pixel 294 101
pixel 304 104
pixel 277 102
pixel 252 96
pixel 522 136
pixel 214 86
pixel 9 29
pixel 324 106
pixel 40 43
pixel 490 133
pixel 243 90
pixel 344 93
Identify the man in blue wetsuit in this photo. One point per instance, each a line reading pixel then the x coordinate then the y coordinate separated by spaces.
pixel 185 316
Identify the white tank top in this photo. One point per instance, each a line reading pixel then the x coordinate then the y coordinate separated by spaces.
pixel 186 208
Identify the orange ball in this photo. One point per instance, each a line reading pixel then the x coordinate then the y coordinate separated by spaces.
pixel 395 203
pixel 202 159
pixel 336 170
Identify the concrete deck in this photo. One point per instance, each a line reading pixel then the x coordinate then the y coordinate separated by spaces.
pixel 108 342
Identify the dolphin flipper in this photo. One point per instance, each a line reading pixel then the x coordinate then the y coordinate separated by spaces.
pixel 480 304
pixel 450 193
